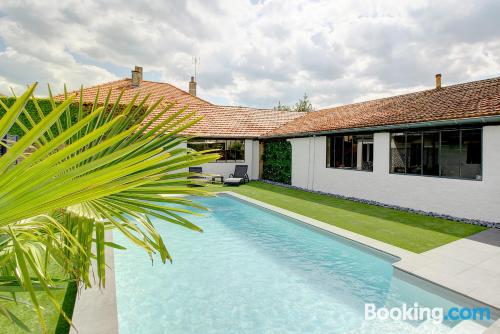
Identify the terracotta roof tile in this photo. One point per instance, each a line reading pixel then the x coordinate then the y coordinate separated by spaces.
pixel 156 89
pixel 227 121
pixel 468 100
pixel 218 121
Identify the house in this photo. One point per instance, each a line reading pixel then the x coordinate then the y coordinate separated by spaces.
pixel 233 130
pixel 436 150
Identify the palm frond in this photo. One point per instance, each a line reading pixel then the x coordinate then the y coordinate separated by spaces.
pixel 105 167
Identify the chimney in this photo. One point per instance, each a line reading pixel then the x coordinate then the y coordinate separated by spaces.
pixel 192 87
pixel 139 69
pixel 438 81
pixel 136 76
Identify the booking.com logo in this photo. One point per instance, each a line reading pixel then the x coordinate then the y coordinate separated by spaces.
pixel 418 313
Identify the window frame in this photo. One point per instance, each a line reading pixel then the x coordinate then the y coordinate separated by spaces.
pixel 224 153
pixel 439 160
pixel 330 146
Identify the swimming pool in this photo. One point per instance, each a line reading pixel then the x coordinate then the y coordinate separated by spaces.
pixel 254 271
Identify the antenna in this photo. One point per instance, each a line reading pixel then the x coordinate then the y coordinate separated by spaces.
pixel 196 61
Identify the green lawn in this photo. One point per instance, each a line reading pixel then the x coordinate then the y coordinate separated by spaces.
pixel 55 323
pixel 414 232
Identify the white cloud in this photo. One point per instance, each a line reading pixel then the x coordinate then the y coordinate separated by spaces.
pixel 253 52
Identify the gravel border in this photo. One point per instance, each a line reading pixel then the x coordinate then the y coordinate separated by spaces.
pixel 384 205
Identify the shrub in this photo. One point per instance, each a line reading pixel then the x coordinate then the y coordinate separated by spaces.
pixel 277 161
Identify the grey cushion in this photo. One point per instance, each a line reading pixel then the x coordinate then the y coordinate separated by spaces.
pixel 233 180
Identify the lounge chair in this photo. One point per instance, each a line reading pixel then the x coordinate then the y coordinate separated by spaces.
pixel 238 177
pixel 195 177
pixel 198 170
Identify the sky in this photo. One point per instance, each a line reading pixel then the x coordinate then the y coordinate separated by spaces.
pixel 252 53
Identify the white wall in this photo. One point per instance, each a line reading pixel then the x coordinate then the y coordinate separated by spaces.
pixel 226 168
pixel 254 166
pixel 460 198
pixel 301 162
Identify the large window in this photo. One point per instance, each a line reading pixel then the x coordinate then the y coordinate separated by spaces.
pixel 350 151
pixel 447 152
pixel 230 150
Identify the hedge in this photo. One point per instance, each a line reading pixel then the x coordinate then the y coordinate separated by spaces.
pixel 277 160
pixel 46 107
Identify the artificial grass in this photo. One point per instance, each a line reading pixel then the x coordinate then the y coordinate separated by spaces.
pixel 55 323
pixel 414 232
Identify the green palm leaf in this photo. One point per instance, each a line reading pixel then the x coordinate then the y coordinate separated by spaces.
pixel 98 170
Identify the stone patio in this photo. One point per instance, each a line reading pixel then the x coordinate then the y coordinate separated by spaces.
pixel 470 266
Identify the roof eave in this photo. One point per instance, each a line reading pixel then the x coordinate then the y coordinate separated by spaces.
pixel 403 126
pixel 229 136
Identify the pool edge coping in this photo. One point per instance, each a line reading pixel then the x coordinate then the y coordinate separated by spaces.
pixel 377 245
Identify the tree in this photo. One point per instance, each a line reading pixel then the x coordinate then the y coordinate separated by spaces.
pixel 282 107
pixel 105 169
pixel 304 105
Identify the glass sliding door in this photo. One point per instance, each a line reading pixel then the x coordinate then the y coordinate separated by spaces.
pixel 470 166
pixel 431 153
pixel 398 153
pixel 367 156
pixel 338 148
pixel 453 153
pixel 450 153
pixel 347 152
pixel 414 155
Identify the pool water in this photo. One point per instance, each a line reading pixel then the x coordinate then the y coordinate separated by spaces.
pixel 254 271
